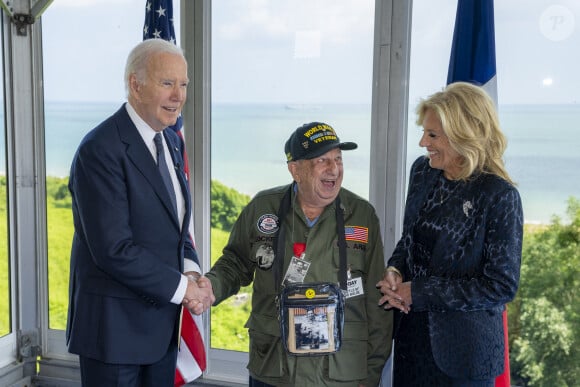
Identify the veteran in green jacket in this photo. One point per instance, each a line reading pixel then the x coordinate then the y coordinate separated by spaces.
pixel 310 231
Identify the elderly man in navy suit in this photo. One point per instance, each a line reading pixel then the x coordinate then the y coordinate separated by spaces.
pixel 133 263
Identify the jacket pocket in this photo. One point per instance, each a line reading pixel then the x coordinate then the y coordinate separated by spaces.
pixel 350 363
pixel 266 358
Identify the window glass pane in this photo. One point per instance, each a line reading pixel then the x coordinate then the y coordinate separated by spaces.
pixel 537 93
pixel 84 63
pixel 430 49
pixel 5 302
pixel 275 66
pixel 538 97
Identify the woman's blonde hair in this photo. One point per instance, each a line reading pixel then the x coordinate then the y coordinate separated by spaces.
pixel 469 120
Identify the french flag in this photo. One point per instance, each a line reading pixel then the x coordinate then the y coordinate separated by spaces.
pixel 473 50
pixel 473 60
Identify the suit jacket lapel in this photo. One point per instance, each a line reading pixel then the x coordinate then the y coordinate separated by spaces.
pixel 140 155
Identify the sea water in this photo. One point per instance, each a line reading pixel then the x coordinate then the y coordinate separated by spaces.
pixel 247 152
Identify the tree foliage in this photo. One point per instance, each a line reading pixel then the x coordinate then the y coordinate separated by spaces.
pixel 57 192
pixel 545 316
pixel 226 205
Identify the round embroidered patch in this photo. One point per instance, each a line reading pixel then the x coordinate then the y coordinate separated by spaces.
pixel 310 293
pixel 268 224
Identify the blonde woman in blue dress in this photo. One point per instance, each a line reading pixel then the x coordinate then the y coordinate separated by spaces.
pixel 458 261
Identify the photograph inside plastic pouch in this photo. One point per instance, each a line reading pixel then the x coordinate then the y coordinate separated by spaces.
pixel 311 328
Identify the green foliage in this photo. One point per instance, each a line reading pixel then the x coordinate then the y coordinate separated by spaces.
pixel 226 205
pixel 230 316
pixel 227 323
pixel 59 234
pixel 57 192
pixel 545 316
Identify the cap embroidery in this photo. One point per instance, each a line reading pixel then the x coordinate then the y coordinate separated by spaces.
pixel 313 140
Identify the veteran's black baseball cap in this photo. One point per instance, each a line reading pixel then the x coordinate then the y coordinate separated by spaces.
pixel 313 140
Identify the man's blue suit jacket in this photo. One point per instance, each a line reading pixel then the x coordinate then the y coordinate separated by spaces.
pixel 128 247
pixel 474 272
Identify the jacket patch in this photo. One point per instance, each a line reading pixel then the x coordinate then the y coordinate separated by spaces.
pixel 356 234
pixel 356 246
pixel 268 224
pixel 265 256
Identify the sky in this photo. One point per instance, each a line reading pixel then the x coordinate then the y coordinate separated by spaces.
pixel 313 51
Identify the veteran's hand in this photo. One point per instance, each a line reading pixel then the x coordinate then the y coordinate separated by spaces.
pixel 204 283
pixel 198 298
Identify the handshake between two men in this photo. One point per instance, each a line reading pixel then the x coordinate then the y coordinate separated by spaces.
pixel 199 295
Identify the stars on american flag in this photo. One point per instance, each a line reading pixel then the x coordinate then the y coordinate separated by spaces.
pixel 356 233
pixel 157 24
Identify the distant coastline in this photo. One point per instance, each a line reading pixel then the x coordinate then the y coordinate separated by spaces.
pixel 542 154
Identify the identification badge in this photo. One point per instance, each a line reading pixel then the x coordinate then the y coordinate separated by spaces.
pixel 298 265
pixel 354 287
pixel 296 271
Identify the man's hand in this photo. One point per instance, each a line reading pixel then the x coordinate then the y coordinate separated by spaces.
pixel 199 294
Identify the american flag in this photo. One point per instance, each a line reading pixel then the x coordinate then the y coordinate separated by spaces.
pixel 473 60
pixel 191 359
pixel 356 233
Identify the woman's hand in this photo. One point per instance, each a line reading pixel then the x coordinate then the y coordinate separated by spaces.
pixel 396 293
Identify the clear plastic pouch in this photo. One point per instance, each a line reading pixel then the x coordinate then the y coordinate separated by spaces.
pixel 311 318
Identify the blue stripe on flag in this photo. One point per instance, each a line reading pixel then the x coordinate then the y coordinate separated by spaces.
pixel 473 50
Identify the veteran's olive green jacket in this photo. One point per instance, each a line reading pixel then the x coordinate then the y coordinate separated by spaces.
pixel 366 341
